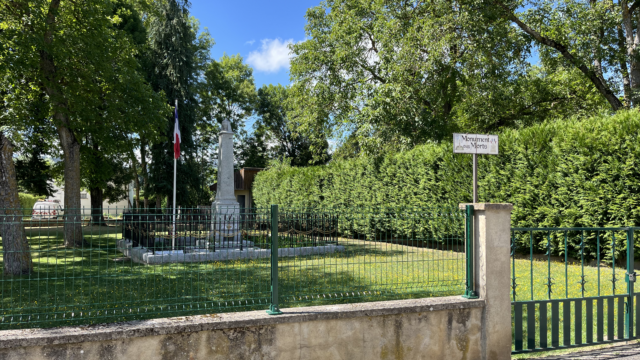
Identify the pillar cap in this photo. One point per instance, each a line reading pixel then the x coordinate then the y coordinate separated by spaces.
pixel 488 206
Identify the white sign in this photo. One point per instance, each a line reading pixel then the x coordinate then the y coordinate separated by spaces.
pixel 475 144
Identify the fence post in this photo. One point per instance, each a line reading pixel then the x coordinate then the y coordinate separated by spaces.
pixel 274 309
pixel 470 293
pixel 630 278
pixel 491 234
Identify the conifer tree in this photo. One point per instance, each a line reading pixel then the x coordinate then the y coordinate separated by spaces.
pixel 176 56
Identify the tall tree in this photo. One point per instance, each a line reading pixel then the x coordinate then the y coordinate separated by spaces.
pixel 177 56
pixel 33 171
pixel 391 75
pixel 107 159
pixel 15 253
pixel 228 92
pixel 84 66
pixel 277 126
pixel 393 72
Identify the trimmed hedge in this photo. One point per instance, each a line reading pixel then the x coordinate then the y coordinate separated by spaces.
pixel 571 173
pixel 26 203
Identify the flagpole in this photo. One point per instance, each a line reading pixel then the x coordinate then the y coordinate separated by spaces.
pixel 175 162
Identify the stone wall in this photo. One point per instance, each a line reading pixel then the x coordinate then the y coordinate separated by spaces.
pixel 436 328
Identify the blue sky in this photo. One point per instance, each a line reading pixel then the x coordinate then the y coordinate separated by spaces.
pixel 256 29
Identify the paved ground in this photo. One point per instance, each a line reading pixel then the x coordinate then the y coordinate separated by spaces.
pixel 625 352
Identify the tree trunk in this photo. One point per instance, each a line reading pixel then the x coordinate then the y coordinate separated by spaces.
pixel 624 70
pixel 603 88
pixel 72 210
pixel 16 256
pixel 68 141
pixel 136 182
pixel 158 203
pixel 632 53
pixel 97 213
pixel 145 175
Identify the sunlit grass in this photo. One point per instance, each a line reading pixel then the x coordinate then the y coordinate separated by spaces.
pixel 532 278
pixel 531 283
pixel 95 284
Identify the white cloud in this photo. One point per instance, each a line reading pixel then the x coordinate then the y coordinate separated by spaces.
pixel 250 42
pixel 272 56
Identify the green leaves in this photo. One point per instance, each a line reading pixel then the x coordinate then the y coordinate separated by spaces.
pixel 279 126
pixel 228 91
pixel 568 173
pixel 393 75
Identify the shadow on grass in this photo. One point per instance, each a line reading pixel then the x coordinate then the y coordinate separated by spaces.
pixel 86 286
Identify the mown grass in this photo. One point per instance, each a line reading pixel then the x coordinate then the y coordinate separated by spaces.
pixel 532 278
pixel 94 284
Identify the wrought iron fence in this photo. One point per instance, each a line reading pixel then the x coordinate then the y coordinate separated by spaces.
pixel 572 287
pixel 79 268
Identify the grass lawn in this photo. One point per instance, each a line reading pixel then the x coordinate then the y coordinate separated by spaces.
pixel 532 280
pixel 95 284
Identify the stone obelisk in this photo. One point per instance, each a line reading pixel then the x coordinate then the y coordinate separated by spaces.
pixel 226 209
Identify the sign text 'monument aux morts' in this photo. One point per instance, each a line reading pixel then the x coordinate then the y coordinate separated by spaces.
pixel 475 144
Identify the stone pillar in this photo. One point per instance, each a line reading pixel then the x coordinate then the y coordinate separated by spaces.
pixel 492 251
pixel 226 210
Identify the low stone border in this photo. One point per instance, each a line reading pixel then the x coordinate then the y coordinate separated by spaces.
pixel 145 256
pixel 187 324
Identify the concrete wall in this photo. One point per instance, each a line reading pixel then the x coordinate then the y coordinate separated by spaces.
pixel 437 328
pixel 492 240
pixel 247 197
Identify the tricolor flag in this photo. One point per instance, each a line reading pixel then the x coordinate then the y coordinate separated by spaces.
pixel 176 136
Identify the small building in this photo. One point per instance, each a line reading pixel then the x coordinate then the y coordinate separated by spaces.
pixel 85 201
pixel 243 186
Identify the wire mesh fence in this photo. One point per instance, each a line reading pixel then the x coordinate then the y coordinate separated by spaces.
pixel 86 267
pixel 371 254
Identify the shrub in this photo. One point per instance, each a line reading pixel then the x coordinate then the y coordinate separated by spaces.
pixel 571 173
pixel 26 202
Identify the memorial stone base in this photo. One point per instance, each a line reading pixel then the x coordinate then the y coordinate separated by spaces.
pixel 147 256
pixel 226 224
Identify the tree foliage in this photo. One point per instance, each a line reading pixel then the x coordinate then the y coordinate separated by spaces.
pixel 228 91
pixel 583 35
pixel 277 126
pixel 569 173
pixel 392 75
pixel 177 56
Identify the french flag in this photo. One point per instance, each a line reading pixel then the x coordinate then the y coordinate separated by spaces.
pixel 176 136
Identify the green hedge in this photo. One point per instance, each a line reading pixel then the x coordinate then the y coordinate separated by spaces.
pixel 26 202
pixel 570 173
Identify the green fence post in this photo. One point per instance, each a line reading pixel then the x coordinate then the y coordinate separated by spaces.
pixel 470 293
pixel 273 308
pixel 631 278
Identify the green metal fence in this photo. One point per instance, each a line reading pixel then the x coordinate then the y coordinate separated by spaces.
pixel 141 264
pixel 572 287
